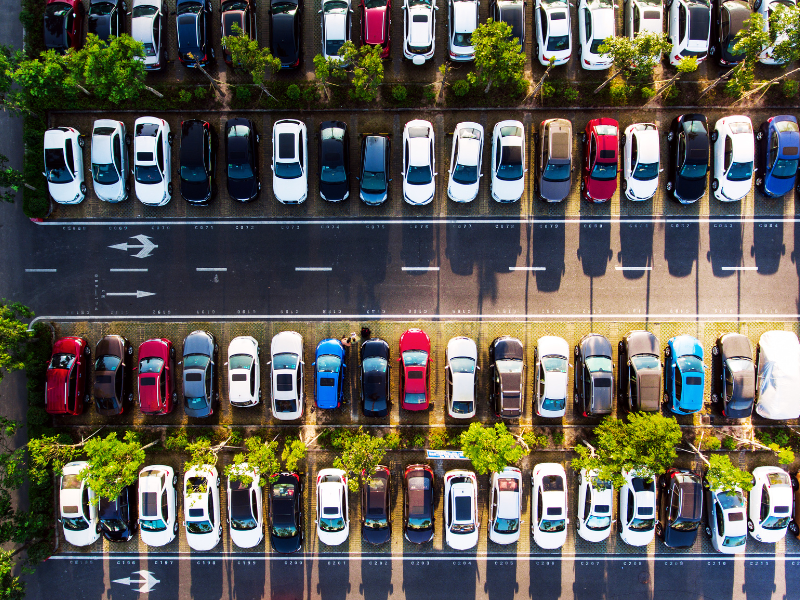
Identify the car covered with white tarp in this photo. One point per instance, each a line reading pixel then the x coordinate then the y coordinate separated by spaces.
pixel 778 375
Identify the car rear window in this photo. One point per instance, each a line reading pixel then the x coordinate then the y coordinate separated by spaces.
pixel 736 516
pixel 144 156
pixel 420 18
pixel 327 382
pixel 553 511
pixel 645 510
pixel 607 154
pixel 103 378
pixel 195 512
pixel 239 377
pixel 194 377
pixel 330 510
pixel 283 383
pixel 694 380
pixel 602 383
pixel 145 381
pixel 415 374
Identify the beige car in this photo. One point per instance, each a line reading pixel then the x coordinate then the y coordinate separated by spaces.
pixel 554 161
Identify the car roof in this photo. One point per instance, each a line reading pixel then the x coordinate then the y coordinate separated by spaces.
pixel 647 145
pixel 469 150
pixel 465 16
pixel 375 148
pixel 420 29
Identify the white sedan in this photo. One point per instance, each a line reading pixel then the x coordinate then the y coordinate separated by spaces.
pixel 461 358
pixel 505 506
pixel 596 23
pixel 336 25
pixel 110 160
pixel 641 164
pixel 549 505
pixel 77 506
pixel 769 506
pixel 643 16
pixel 63 165
pixel 286 361
pixel 419 25
pixel 158 505
pixel 550 383
pixel 290 161
pixel 508 161
pixel 152 161
pixel 637 509
pixel 245 512
pixel 595 499
pixel 689 29
pixel 733 149
pixel 244 371
pixel 419 163
pixel 461 524
pixel 201 514
pixel 333 510
pixel 553 32
pixel 465 162
pixel 726 520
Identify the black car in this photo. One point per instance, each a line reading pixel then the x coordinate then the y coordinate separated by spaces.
pixel 375 377
pixel 374 180
pixel 118 518
pixel 286 513
pixel 418 511
pixel 197 161
pixel 285 19
pixel 334 161
pixel 639 372
pixel 106 18
pixel 199 372
pixel 513 13
pixel 680 507
pixel 507 373
pixel 735 385
pixel 688 158
pixel 376 509
pixel 594 376
pixel 729 19
pixel 241 13
pixel 241 156
pixel 112 386
pixel 194 32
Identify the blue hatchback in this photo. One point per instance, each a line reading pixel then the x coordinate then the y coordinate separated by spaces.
pixel 685 374
pixel 778 149
pixel 329 374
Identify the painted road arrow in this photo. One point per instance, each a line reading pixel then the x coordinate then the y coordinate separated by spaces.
pixel 148 581
pixel 137 293
pixel 145 245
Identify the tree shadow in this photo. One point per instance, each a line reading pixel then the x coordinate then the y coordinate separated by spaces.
pixel 725 246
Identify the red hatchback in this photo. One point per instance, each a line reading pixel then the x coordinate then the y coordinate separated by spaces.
pixel 600 150
pixel 376 21
pixel 67 374
pixel 156 377
pixel 63 25
pixel 415 351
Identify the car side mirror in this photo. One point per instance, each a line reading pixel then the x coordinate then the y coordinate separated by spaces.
pixel 44 174
pixel 180 362
pixel 313 363
pixel 268 363
pixel 225 363
pixel 398 359
pixel 319 11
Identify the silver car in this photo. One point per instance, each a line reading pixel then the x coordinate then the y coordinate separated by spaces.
pixel 110 160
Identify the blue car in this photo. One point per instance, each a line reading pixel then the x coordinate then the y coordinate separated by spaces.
pixel 329 374
pixel 685 374
pixel 778 146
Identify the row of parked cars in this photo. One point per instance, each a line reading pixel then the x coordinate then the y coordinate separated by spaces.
pixel 771 376
pixel 671 506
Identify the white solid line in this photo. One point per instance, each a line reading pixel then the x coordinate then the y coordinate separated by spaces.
pixel 205 269
pixel 618 268
pixel 740 268
pixel 313 268
pixel 128 270
pixel 527 268
pixel 420 268
pixel 41 270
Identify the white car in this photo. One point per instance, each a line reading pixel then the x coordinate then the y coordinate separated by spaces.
pixel 637 509
pixel 461 358
pixel 733 149
pixel 465 162
pixel 286 361
pixel 77 507
pixel 461 524
pixel 508 161
pixel 595 500
pixel 336 25
pixel 63 165
pixel 158 505
pixel 550 383
pixel 152 161
pixel 333 510
pixel 505 506
pixel 769 505
pixel 643 16
pixel 201 515
pixel 245 512
pixel 689 29
pixel 778 392
pixel 765 8
pixel 596 23
pixel 641 161
pixel 419 24
pixel 553 31
pixel 147 27
pixel 290 161
pixel 549 505
pixel 110 160
pixel 725 512
pixel 244 371
pixel 462 19
pixel 419 163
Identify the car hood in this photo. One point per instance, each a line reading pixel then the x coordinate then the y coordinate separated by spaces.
pixel 199 191
pixel 735 190
pixel 642 342
pixel 376 536
pixel 334 192
pixel 243 189
pixel 198 344
pixel 555 191
pixel 375 25
pixel 286 545
pixel 596 345
pixel 416 536
pixel 736 346
pixel 686 345
pixel 601 189
pixel 679 539
pixel 508 349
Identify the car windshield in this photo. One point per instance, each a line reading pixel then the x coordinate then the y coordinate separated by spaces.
pixel 693 170
pixel 195 361
pixel 740 171
pixel 199 527
pixel 730 499
pixel 690 364
pixel 375 3
pixel 106 362
pixel 738 364
pixel 113 525
pixel 151 365
pixel 510 167
pixel 604 171
pixel 56 166
pixel 506 525
pixel 557 43
pixel 646 361
pixel 684 525
pixel 195 403
pixel 641 524
pixel 284 530
pixel 462 40
pixel 333 174
pixel 241 361
pixel 193 174
pixel 285 360
pixel 553 172
pixel 645 171
pixel 331 524
pixel 75 523
pixel 599 364
pixel 376 522
pixel 465 175
pixel 784 168
pixel 775 522
pixel 554 364
pixel 288 170
pixel 144 10
pixel 328 363
pixel 734 541
pixel 105 174
pixel 419 175
pixel 147 174
pixel 509 366
pixel 375 364
pixel 373 182
pixel 62 361
pixel 598 523
pixel 153 525
pixel 552 525
pixel 101 8
pixel 186 8
pixel 461 364
pixel 415 358
pixel 283 7
pixel 241 170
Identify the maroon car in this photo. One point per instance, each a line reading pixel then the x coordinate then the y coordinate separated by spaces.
pixel 600 150
pixel 67 374
pixel 241 13
pixel 63 25
pixel 156 375
pixel 376 21
pixel 111 379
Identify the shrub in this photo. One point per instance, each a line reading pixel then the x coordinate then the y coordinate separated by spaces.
pixel 461 87
pixel 712 443
pixel 438 439
pixel 418 441
pixel 729 443
pixel 201 93
pixel 236 438
pixel 36 416
pixel 392 440
pixel 790 88
pixel 311 94
pixel 293 91
pixel 569 94
pixel 399 93
pixel 618 93
pixel 176 441
pixel 430 93
pixel 547 90
pixel 535 440
pixel 184 96
pixel 671 95
pixel 558 438
pixel 243 93
pixel 647 92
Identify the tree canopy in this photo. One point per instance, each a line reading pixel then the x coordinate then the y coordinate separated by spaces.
pixel 113 464
pixel 361 452
pixel 490 449
pixel 636 57
pixel 14 335
pixel 246 54
pixel 498 60
pixel 785 21
pixel 723 476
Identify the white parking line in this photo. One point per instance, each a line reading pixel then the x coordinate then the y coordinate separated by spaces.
pixel 618 268
pixel 420 268
pixel 313 268
pixel 740 268
pixel 41 270
pixel 128 270
pixel 212 269
pixel 527 268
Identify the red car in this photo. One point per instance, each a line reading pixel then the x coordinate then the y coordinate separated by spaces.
pixel 156 377
pixel 376 21
pixel 600 149
pixel 63 25
pixel 415 351
pixel 67 374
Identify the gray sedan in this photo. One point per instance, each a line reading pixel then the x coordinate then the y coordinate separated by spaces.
pixel 199 370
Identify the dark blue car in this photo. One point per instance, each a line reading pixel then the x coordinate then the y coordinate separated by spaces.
pixel 329 374
pixel 778 146
pixel 685 374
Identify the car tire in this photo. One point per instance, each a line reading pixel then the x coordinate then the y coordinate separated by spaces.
pixel 623 184
pixel 577 351
pixel 130 398
pixel 212 53
pixel 87 398
pixel 172 352
pixel 715 184
pixel 759 135
pixel 128 139
pixel 669 186
pixel 714 135
pixel 759 181
pixel 667 352
pixel 218 482
pixel 129 350
pixel 583 186
pixel 84 189
pixel 794 529
pixel 169 189
pixel 756 5
pixel 714 350
pixel 750 525
pixel 714 398
pixel 174 396
pixel 81 141
pixel 708 531
pixel 712 51
pixel 127 186
pixel 174 479
pixel 216 348
pixel 170 137
pixel 794 483
pixel 175 528
pixel 670 136
pixel 659 530
pixel 583 137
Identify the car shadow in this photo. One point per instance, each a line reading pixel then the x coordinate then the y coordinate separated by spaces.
pixel 289 256
pixel 497 258
pixel 591 579
pixel 636 248
pixel 287 579
pixel 249 578
pixel 417 248
pixel 725 246
pixel 372 247
pixel 759 577
pixel 376 579
pixel 501 578
pixel 594 247
pixel 545 573
pixel 548 245
pixel 333 578
pixel 206 577
pixel 461 249
pixel 768 246
pixel 681 247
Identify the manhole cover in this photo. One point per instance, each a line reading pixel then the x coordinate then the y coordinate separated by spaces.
pixel 644 577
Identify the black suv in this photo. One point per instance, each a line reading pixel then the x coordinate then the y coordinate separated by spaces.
pixel 688 158
pixel 118 518
pixel 197 161
pixel 286 17
pixel 106 18
pixel 594 376
pixel 507 373
pixel 194 32
pixel 241 158
pixel 680 507
pixel 729 19
pixel 334 161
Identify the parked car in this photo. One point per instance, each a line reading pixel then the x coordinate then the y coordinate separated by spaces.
pixel 594 376
pixel 286 29
pixel 419 25
pixel 193 23
pixel 507 374
pixel 418 497
pixel 553 24
pixel 415 350
pixel 244 371
pixel 778 362
pixel 734 151
pixel 689 29
pixel 736 383
pixel 245 510
pixel 375 377
pixel 600 147
pixel 461 522
pixel 680 508
pixel 112 386
pixel 637 509
pixel 201 513
pixel 147 27
pixel 466 159
pixel 766 8
pixel 286 513
pixel 461 377
pixel 63 165
pixel 118 517
pixel 419 163
pixel 462 19
pixel 330 374
pixel 553 179
pixel 508 161
pixel 77 506
pixel 730 17
pixel 725 519
pixel 376 506
pixel 596 23
pixel 156 377
pixel 241 13
pixel 152 161
pixel 595 499
pixel 549 505
pixel 334 159
pixel 333 511
pixel 643 16
pixel 778 141
pixel 337 23
pixel 373 187
pixel 685 375
pixel 550 383
pixel 639 374
pixel 641 162
pixel 505 506
pixel 513 13
pixel 769 505
pixel 794 524
pixel 197 161
pixel 289 161
pixel 107 18
pixel 63 25
pixel 286 360
pixel 241 158
pixel 376 24
pixel 199 374
pixel 67 377
pixel 688 157
pixel 158 505
pixel 110 160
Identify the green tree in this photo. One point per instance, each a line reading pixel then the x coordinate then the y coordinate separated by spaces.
pixel 294 453
pixel 202 453
pixel 259 457
pixel 48 454
pixel 46 78
pixel 246 54
pixel 490 449
pixel 634 58
pixel 10 180
pixel 722 475
pixel 687 64
pixel 365 65
pixel 14 335
pixel 326 69
pixel 113 463
pixel 498 60
pixel 361 452
pixel 9 97
pixel 786 20
pixel 11 585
